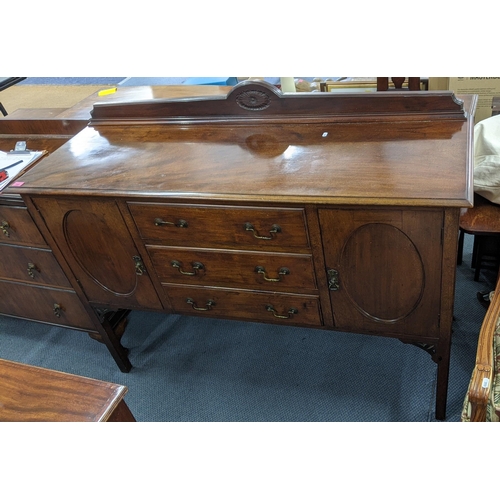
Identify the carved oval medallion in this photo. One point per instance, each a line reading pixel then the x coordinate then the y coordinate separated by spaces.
pixel 253 100
pixel 382 272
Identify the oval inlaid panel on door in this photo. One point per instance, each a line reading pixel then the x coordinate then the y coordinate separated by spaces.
pixel 92 241
pixel 393 294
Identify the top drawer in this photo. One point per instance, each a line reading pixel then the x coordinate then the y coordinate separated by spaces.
pixel 221 226
pixel 17 226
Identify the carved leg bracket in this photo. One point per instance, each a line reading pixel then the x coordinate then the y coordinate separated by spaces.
pixel 428 348
pixel 440 354
pixel 113 327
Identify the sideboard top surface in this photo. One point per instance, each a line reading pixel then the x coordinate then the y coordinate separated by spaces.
pixel 398 161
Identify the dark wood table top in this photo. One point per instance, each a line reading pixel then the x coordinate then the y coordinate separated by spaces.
pixel 32 394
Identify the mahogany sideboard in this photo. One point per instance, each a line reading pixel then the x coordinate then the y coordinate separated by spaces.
pixel 334 211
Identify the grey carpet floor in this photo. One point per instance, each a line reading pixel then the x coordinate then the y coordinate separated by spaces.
pixel 187 369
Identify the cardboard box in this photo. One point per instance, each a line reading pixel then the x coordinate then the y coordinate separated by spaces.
pixel 485 87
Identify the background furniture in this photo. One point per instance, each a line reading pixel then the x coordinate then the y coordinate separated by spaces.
pixel 482 401
pixel 33 285
pixel 32 394
pixel 342 242
pixel 483 222
pixel 5 83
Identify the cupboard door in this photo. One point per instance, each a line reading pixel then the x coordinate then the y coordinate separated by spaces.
pixel 384 269
pixel 95 241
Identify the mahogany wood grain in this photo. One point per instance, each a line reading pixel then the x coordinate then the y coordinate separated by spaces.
pixel 290 309
pixel 259 270
pixel 32 265
pixel 384 171
pixel 222 226
pixel 18 227
pixel 45 304
pixel 29 300
pixel 482 219
pixel 33 394
pixel 369 187
pixel 83 109
pixel 382 253
pixel 96 241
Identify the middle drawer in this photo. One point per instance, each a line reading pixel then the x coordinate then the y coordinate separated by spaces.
pixel 254 270
pixel 272 229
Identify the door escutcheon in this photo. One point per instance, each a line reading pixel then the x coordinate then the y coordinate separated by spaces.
pixel 140 269
pixel 333 280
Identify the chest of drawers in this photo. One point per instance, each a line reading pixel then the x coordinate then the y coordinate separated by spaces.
pixel 233 262
pixel 32 284
pixel 310 210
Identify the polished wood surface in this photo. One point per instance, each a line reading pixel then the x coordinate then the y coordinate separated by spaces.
pixel 482 219
pixel 293 163
pixel 33 284
pixel 32 394
pixel 357 197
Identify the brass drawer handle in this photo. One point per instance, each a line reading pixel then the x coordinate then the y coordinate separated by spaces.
pixel 179 223
pixel 197 266
pixel 208 305
pixel 283 271
pixel 32 267
pixel 291 312
pixel 57 310
pixel 274 230
pixel 5 226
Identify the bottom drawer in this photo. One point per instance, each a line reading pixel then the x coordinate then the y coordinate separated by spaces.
pixel 56 307
pixel 292 309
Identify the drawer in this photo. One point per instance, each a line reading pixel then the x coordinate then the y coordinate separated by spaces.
pixel 291 309
pixel 233 268
pixel 42 304
pixel 17 226
pixel 35 265
pixel 224 227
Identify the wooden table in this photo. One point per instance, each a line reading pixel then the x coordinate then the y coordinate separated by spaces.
pixel 32 394
pixel 316 210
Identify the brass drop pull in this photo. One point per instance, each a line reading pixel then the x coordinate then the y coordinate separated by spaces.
pixel 282 272
pixel 274 230
pixel 57 310
pixel 32 267
pixel 208 305
pixel 179 223
pixel 291 312
pixel 333 280
pixel 5 226
pixel 139 265
pixel 197 266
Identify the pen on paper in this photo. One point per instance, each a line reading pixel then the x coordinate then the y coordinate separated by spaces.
pixel 14 164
